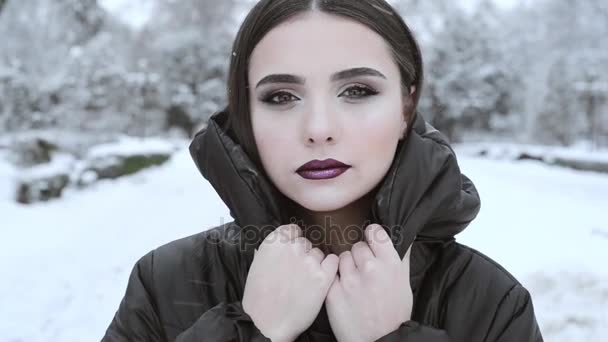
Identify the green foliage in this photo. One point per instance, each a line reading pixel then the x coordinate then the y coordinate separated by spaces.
pixel 133 164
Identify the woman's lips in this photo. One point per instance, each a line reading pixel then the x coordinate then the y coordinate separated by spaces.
pixel 325 169
pixel 323 174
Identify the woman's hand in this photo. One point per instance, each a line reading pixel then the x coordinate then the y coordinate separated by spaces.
pixel 372 295
pixel 287 283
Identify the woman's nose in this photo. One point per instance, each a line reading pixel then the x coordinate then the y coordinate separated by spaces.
pixel 320 127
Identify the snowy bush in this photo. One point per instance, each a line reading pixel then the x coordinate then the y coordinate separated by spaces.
pixel 121 158
pixel 49 169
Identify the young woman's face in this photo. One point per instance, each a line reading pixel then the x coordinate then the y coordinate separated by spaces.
pixel 339 97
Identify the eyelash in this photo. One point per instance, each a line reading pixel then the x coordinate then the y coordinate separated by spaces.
pixel 268 98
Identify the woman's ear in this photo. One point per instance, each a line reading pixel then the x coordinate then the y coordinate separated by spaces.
pixel 403 129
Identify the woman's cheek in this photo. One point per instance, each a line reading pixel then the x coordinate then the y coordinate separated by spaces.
pixel 379 135
pixel 276 147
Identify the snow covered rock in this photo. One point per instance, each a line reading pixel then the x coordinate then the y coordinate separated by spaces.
pixel 112 160
pixel 32 152
pixel 112 167
pixel 124 157
pixel 44 182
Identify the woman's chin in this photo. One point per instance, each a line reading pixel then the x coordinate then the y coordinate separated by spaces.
pixel 320 202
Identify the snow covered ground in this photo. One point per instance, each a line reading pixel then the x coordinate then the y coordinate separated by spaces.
pixel 64 264
pixel 583 151
pixel 548 226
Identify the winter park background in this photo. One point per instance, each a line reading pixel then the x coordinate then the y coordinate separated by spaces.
pixel 98 100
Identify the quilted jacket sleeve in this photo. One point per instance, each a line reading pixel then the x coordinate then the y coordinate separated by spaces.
pixel 137 317
pixel 514 321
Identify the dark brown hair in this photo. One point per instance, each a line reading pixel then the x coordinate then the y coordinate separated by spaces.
pixel 378 15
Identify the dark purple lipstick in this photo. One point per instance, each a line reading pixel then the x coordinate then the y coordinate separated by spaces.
pixel 322 169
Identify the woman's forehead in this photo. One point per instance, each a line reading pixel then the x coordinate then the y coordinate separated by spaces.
pixel 318 43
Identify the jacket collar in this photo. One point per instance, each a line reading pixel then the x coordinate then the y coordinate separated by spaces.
pixel 424 195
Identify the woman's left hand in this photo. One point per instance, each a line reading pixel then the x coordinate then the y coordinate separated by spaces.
pixel 372 295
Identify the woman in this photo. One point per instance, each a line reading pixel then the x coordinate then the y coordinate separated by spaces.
pixel 345 202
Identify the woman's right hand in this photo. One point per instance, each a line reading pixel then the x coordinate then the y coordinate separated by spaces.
pixel 287 283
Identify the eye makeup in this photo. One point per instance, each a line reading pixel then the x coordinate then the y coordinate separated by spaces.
pixel 281 97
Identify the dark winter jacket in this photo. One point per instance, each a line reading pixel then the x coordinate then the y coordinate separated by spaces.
pixel 191 289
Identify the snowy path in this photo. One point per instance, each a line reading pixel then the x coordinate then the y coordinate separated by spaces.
pixel 64 265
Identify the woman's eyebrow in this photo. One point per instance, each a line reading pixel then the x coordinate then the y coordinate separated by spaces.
pixel 354 72
pixel 340 75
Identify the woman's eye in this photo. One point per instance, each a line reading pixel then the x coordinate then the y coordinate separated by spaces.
pixel 282 97
pixel 357 92
pixel 279 98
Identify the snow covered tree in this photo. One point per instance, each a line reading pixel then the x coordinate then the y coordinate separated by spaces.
pixel 40 34
pixel 16 97
pixel 424 18
pixel 188 43
pixel 468 83
pixel 560 120
pixel 39 38
pixel 535 71
pixel 573 104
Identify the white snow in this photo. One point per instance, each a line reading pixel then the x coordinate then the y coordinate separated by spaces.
pixel 128 146
pixel 65 263
pixel 548 227
pixel 133 13
pixel 582 151
pixel 60 164
pixel 8 181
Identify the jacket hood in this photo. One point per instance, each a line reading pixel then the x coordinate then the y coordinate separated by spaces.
pixel 423 195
